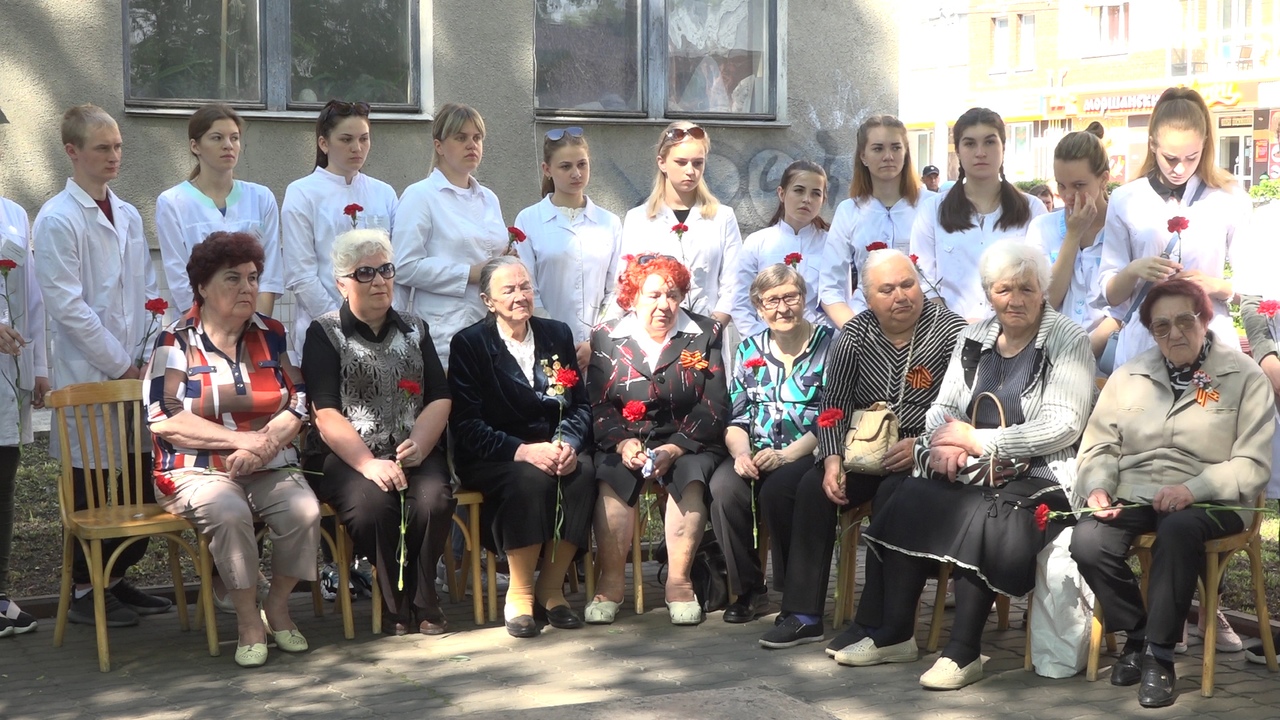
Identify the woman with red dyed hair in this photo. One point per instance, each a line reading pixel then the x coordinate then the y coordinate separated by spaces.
pixel 659 406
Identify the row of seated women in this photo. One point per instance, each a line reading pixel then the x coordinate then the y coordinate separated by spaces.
pixel 549 449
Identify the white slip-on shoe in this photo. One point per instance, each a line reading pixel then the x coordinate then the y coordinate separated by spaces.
pixel 685 613
pixel 601 612
pixel 864 653
pixel 946 675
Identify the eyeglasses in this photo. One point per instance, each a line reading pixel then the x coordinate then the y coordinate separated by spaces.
pixel 1186 322
pixel 791 299
pixel 344 109
pixel 557 134
pixel 365 274
pixel 675 135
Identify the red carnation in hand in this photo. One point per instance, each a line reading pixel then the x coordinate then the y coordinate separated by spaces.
pixel 156 306
pixel 515 234
pixel 1042 516
pixel 634 411
pixel 829 417
pixel 409 387
pixel 753 363
pixel 1178 224
pixel 793 259
pixel 877 246
pixel 567 377
pixel 6 265
pixel 1268 308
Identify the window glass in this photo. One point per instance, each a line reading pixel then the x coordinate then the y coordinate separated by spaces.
pixel 194 50
pixel 352 51
pixel 718 57
pixel 587 55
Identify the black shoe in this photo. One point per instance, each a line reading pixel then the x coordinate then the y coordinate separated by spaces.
pixel 1128 669
pixel 748 606
pixel 850 635
pixel 1158 679
pixel 782 617
pixel 791 632
pixel 17 621
pixel 118 615
pixel 522 626
pixel 138 601
pixel 560 616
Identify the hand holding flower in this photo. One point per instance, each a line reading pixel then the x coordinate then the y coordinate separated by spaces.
pixel 745 466
pixel 1101 500
pixel 1172 498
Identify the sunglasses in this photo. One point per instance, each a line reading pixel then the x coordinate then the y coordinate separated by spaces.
pixel 675 135
pixel 650 257
pixel 365 274
pixel 1186 322
pixel 557 134
pixel 344 109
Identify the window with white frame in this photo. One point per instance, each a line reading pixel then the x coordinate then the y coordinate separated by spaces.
pixel 1026 41
pixel 1000 46
pixel 656 58
pixel 273 54
pixel 1107 28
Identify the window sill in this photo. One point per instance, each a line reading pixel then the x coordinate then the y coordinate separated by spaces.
pixel 657 122
pixel 1105 55
pixel 307 116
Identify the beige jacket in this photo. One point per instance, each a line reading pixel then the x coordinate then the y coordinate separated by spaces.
pixel 1140 439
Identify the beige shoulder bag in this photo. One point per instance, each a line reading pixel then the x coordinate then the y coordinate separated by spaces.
pixel 874 430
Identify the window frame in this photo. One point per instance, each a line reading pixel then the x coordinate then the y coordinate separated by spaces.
pixel 1101 45
pixel 1000 65
pixel 1026 63
pixel 653 76
pixel 275 58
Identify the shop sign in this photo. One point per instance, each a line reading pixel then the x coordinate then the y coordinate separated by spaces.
pixel 1235 121
pixel 1135 102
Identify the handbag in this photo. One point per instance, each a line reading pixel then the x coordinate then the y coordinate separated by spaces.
pixel 709 574
pixel 990 471
pixel 873 431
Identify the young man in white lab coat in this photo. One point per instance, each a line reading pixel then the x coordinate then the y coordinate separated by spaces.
pixel 96 275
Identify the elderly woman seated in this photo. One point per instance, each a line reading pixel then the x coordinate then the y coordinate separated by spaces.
pixel 381 403
pixel 521 427
pixel 897 354
pixel 223 430
pixel 776 394
pixel 660 405
pixel 1025 377
pixel 1183 425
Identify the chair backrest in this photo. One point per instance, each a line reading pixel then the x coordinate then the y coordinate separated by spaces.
pixel 116 407
pixel 1256 525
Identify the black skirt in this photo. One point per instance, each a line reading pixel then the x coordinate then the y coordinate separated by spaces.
pixel 991 532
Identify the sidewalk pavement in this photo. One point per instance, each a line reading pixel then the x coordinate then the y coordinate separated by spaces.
pixel 640 667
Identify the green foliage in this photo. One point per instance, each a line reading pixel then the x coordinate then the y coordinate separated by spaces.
pixel 1026 185
pixel 1266 190
pixel 1111 186
pixel 352 51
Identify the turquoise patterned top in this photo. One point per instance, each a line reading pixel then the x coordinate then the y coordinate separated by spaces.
pixel 776 409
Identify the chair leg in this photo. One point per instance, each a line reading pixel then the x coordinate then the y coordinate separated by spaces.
pixel 491 567
pixel 64 594
pixel 1260 602
pixel 473 548
pixel 179 591
pixel 1002 612
pixel 317 599
pixel 939 607
pixel 851 585
pixel 637 564
pixel 589 566
pixel 451 569
pixel 99 604
pixel 377 602
pixel 843 583
pixel 1209 607
pixel 1095 642
pixel 207 609
pixel 342 558
pixel 1026 653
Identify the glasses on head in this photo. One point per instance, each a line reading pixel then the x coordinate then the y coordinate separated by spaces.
pixel 344 109
pixel 365 274
pixel 557 134
pixel 675 135
pixel 650 257
pixel 791 299
pixel 1186 322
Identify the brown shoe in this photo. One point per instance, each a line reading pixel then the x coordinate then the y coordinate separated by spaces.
pixel 393 625
pixel 433 622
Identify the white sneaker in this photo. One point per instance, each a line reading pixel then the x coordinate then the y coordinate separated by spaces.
pixel 864 653
pixel 946 675
pixel 1227 640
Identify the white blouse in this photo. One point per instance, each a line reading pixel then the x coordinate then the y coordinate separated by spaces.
pixel 1048 231
pixel 709 249
pixel 572 261
pixel 1138 226
pixel 185 217
pixel 857 224
pixel 441 230
pixel 949 261
pixel 631 327
pixel 310 219
pixel 23 293
pixel 771 246
pixel 521 350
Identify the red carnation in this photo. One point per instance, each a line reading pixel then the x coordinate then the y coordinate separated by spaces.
pixel 515 235
pixel 877 246
pixel 351 210
pixel 409 387
pixel 1042 516
pixel 1268 308
pixel 792 259
pixel 753 363
pixel 156 306
pixel 829 417
pixel 915 259
pixel 567 377
pixel 680 229
pixel 1178 224
pixel 634 411
pixel 6 265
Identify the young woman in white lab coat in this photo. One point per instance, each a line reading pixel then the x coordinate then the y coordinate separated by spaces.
pixel 319 207
pixel 952 230
pixel 212 200
pixel 573 244
pixel 447 226
pixel 881 208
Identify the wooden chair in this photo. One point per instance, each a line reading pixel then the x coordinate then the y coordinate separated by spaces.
pixel 848 534
pixel 115 508
pixel 939 607
pixel 1217 553
pixel 471 559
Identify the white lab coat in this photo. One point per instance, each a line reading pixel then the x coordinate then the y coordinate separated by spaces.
pixel 185 217
pixel 22 296
pixel 1138 226
pixel 310 219
pixel 709 249
pixel 949 261
pixel 1048 232
pixel 572 262
pixel 856 224
pixel 440 232
pixel 96 279
pixel 770 246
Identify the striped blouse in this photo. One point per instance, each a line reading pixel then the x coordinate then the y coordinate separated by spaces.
pixel 865 368
pixel 188 373
pixel 774 408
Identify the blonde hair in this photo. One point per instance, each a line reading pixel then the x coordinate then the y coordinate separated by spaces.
pixel 79 120
pixel 1182 108
pixel 710 205
pixel 450 119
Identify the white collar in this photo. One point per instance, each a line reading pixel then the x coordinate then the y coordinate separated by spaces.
pixel 83 197
pixel 549 212
pixel 438 181
pixel 334 178
pixel 630 325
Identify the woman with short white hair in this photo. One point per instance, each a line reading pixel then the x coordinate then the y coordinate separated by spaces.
pixel 1037 365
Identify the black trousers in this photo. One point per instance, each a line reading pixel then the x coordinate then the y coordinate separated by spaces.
pixel 131 554
pixel 9 457
pixel 1099 547
pixel 731 518
pixel 802 531
pixel 372 517
pixel 519 506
